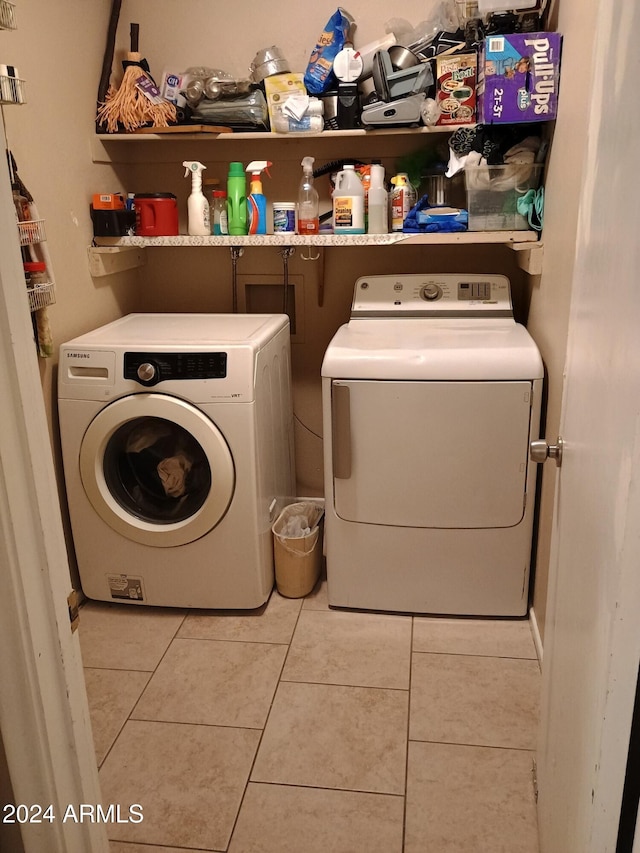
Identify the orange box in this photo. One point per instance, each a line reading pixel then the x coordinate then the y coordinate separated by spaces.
pixel 108 201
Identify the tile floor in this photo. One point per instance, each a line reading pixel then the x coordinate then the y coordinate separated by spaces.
pixel 300 729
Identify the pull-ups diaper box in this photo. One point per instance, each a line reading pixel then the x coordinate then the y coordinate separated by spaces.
pixel 519 78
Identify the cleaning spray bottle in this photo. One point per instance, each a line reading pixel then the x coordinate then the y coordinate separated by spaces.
pixel 237 200
pixel 308 201
pixel 197 205
pixel 256 202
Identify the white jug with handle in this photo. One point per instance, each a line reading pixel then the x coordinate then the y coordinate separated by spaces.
pixel 348 203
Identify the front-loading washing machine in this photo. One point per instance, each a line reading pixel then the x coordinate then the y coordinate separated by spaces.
pixel 177 441
pixel 431 396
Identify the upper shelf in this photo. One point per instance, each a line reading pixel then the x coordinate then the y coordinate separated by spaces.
pixel 136 147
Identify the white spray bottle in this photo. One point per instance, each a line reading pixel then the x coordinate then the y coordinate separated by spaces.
pixel 197 205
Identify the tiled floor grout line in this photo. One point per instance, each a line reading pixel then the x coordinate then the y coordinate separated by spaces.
pixel 151 674
pixel 472 655
pixel 475 745
pixel 120 730
pixel 324 788
pixel 266 720
pixel 406 764
pixel 340 684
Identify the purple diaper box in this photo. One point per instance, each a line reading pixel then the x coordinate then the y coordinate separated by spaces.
pixel 519 78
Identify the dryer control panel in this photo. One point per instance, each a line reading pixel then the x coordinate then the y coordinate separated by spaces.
pixel 432 295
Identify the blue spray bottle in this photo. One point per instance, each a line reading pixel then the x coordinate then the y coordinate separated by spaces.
pixel 256 202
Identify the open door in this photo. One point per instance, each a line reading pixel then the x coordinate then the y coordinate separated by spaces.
pixel 592 636
pixel 44 718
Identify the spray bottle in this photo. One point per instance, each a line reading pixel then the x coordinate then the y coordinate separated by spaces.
pixel 197 205
pixel 308 201
pixel 256 202
pixel 236 200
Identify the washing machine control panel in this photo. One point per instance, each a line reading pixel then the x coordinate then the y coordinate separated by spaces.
pixel 432 295
pixel 431 291
pixel 149 368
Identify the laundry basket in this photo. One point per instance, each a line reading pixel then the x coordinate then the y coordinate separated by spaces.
pixel 297 547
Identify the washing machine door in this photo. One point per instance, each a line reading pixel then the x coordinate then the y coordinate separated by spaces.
pixel 157 470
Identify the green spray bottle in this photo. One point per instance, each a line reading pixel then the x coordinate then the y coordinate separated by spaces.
pixel 237 213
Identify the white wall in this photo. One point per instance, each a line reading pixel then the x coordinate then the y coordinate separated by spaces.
pixel 550 296
pixel 57 49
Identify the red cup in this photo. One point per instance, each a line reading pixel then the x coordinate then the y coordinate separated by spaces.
pixel 156 214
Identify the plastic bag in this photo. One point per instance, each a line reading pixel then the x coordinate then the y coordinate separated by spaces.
pixel 319 74
pixel 299 521
pixel 248 111
pixel 443 17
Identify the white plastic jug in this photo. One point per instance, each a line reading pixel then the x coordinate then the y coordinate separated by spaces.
pixel 348 203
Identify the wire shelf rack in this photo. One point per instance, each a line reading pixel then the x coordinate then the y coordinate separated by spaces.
pixel 41 295
pixel 12 90
pixel 7 15
pixel 31 232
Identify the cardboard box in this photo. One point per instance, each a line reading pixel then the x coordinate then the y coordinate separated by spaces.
pixel 278 88
pixel 456 83
pixel 519 78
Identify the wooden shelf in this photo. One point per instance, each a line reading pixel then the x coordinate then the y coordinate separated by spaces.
pixel 342 240
pixel 140 147
pixel 526 243
pixel 169 136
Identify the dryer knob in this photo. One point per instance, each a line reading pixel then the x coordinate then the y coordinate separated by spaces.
pixel 146 372
pixel 431 292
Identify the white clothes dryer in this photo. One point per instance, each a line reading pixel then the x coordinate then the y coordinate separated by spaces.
pixel 431 396
pixel 177 440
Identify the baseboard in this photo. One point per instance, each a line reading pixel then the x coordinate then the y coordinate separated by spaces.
pixel 535 631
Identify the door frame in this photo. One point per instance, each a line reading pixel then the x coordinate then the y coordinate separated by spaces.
pixel 44 715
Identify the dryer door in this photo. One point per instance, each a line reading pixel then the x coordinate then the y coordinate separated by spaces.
pixel 431 454
pixel 157 470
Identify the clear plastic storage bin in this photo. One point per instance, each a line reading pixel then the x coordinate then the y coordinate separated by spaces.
pixel 493 193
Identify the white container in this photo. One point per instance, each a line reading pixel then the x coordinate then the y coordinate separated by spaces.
pixel 368 50
pixel 378 208
pixel 486 7
pixel 348 203
pixel 284 217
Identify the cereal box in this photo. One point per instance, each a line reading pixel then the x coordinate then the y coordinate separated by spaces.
pixel 519 78
pixel 456 79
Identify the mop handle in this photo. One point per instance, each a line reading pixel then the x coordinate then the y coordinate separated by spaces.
pixel 108 51
pixel 134 35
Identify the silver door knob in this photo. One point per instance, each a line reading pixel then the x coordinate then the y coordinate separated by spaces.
pixel 541 450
